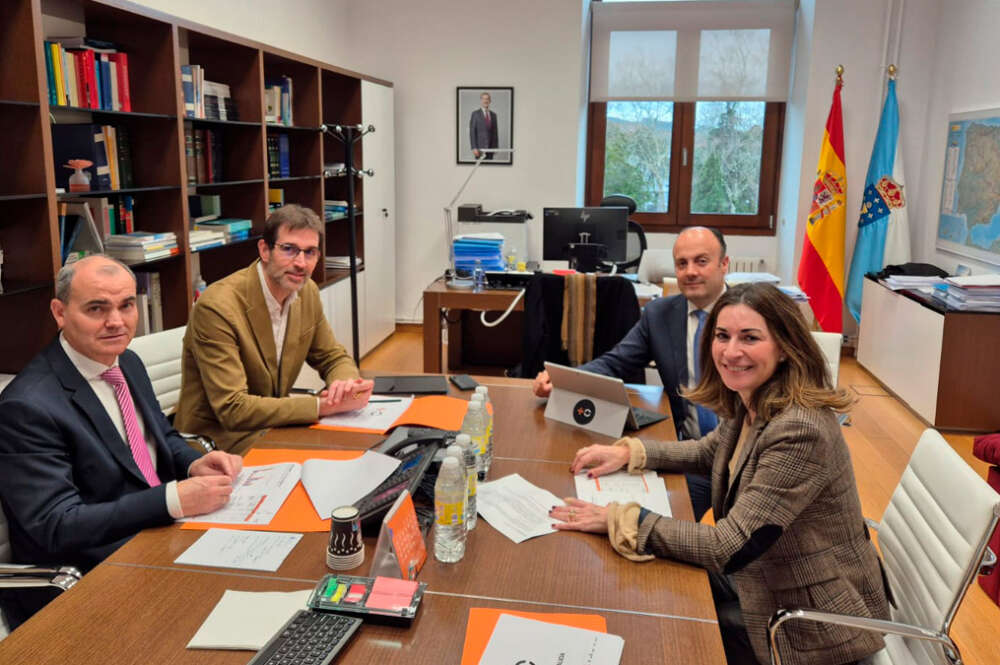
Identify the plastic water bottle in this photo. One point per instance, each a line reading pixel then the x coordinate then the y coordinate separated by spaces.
pixel 512 259
pixel 449 512
pixel 475 426
pixel 489 417
pixel 471 477
pixel 478 276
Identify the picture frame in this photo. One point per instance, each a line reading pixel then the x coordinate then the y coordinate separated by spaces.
pixel 473 126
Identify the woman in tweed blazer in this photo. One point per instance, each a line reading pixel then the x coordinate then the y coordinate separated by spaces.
pixel 788 526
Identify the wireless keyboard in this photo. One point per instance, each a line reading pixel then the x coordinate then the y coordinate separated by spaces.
pixel 313 638
pixel 412 467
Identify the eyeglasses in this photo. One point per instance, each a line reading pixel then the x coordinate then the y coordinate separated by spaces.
pixel 291 252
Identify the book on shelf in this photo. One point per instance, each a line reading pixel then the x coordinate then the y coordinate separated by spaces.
pixel 284 168
pixel 189 157
pixel 82 236
pixel 84 75
pixel 187 89
pixel 209 100
pixel 199 239
pixel 275 197
pixel 142 239
pixel 204 207
pixel 278 160
pixel 149 302
pixel 278 101
pixel 343 262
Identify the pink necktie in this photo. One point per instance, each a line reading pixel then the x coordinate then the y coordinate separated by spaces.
pixel 136 442
pixel 487 114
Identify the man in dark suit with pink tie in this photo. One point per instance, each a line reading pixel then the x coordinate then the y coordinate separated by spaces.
pixel 483 128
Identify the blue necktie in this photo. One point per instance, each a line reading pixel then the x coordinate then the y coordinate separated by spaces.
pixel 707 420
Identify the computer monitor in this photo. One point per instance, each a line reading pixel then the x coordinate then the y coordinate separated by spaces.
pixel 585 236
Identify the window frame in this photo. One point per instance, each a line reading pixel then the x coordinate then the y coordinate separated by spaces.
pixel 679 198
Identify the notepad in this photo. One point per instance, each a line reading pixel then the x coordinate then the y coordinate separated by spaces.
pixel 247 620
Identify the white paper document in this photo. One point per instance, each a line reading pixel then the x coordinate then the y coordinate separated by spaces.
pixel 646 489
pixel 516 508
pixel 379 413
pixel 258 493
pixel 519 640
pixel 247 620
pixel 334 483
pixel 231 548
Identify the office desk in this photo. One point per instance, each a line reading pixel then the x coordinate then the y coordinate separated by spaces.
pixel 139 615
pixel 437 297
pixel 138 606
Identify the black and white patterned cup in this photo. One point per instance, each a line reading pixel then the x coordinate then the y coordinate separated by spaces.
pixel 346 549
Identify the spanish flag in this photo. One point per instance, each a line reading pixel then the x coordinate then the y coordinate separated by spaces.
pixel 821 268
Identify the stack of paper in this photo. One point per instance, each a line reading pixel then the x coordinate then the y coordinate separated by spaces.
pixel 973 293
pixel 734 278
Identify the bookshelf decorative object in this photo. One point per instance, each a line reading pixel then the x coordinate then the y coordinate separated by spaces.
pixel 127 99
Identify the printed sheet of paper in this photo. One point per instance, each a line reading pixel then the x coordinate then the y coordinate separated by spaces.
pixel 375 416
pixel 516 508
pixel 646 489
pixel 257 495
pixel 247 620
pixel 334 483
pixel 519 640
pixel 248 550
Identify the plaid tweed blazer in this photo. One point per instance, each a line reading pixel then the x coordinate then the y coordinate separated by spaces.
pixel 788 530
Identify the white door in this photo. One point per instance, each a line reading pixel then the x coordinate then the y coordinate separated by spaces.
pixel 379 212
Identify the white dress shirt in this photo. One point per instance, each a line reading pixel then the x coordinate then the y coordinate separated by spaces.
pixel 91 370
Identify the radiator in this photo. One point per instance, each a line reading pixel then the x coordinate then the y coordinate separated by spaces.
pixel 747 264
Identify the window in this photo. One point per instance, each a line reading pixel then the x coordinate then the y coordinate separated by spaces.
pixel 688 164
pixel 687 106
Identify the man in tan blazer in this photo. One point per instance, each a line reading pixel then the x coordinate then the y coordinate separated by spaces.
pixel 249 334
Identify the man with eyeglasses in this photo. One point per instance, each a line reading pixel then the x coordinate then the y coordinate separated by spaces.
pixel 249 334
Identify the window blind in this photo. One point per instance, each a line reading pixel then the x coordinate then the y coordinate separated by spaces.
pixel 691 50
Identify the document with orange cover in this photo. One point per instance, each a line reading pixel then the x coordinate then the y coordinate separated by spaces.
pixel 482 621
pixel 297 513
pixel 438 411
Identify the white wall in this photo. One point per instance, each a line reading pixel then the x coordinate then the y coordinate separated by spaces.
pixel 428 49
pixel 313 28
pixel 963 77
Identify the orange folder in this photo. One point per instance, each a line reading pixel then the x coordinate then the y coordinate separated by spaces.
pixel 482 621
pixel 297 514
pixel 438 411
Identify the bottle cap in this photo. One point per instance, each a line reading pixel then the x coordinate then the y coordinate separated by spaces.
pixel 463 440
pixel 475 404
pixel 449 462
pixel 455 450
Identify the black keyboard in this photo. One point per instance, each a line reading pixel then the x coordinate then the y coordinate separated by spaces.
pixel 645 417
pixel 412 467
pixel 309 638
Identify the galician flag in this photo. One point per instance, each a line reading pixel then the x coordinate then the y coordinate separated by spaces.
pixel 883 231
pixel 821 268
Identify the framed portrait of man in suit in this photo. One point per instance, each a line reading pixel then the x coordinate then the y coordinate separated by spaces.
pixel 485 123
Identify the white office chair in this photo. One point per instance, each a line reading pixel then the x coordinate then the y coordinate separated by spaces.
pixel 829 344
pixel 933 540
pixel 22 576
pixel 161 354
pixel 656 264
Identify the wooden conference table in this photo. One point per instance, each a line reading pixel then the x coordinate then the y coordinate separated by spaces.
pixel 140 607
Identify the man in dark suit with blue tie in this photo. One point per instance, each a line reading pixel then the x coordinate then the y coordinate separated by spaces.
pixel 483 128
pixel 87 459
pixel 667 333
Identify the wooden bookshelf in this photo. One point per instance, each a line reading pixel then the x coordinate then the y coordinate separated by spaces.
pixel 157 45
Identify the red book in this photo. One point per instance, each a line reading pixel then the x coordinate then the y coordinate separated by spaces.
pixel 86 79
pixel 121 60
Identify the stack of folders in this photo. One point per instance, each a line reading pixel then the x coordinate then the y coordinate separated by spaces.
pixel 199 239
pixel 487 248
pixel 233 229
pixel 973 293
pixel 141 246
pixel 334 210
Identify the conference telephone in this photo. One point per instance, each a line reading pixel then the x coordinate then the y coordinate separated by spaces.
pixel 415 447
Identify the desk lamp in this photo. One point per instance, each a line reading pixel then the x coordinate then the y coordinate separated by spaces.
pixel 455 282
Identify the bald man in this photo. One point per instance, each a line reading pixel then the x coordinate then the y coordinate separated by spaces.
pixel 667 333
pixel 87 459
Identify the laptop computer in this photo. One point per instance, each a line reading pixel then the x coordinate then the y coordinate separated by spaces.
pixel 594 401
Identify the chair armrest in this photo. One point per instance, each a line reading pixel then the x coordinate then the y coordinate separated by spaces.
pixel 20 576
pixel 198 441
pixel 862 623
pixel 871 524
pixel 988 563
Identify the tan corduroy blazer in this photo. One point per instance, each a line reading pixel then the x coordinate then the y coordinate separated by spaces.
pixel 789 531
pixel 231 388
